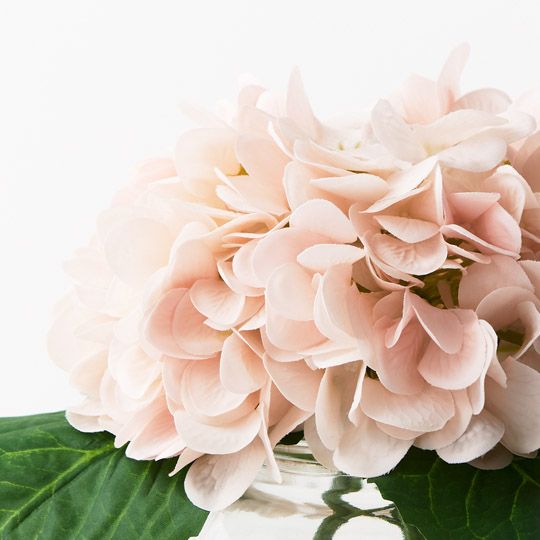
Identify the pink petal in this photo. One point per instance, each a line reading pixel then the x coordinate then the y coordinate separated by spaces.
pixel 192 260
pixel 241 370
pixel 215 482
pixel 214 299
pixel 428 410
pixel 517 406
pixel 242 265
pixel 443 326
pixel 408 229
pixel 499 307
pixel 319 451
pixel 298 107
pixel 336 393
pixel 300 183
pixel 477 154
pixel 463 368
pixel 133 370
pixel 324 218
pixel 397 367
pixel 321 257
pixel 280 247
pixel 482 434
pixel 136 248
pixel 497 227
pixel 203 393
pixel 366 451
pixel 481 279
pixel 217 439
pixel 453 429
pixel 296 381
pixel 200 151
pixel 332 308
pixel 159 322
pixel 261 158
pixel 469 206
pixel 190 332
pixel 485 99
pixel 362 187
pixel 289 292
pixel 419 259
pixel 395 134
pixel 291 335
pixel 497 458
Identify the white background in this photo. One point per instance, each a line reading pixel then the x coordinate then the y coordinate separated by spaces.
pixel 88 88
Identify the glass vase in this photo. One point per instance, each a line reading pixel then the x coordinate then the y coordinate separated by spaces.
pixel 311 503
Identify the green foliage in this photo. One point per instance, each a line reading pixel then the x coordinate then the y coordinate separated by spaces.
pixel 459 502
pixel 58 483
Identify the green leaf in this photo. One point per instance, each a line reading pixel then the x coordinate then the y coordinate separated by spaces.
pixel 58 483
pixel 459 502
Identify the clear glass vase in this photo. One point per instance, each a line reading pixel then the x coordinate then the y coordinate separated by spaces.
pixel 312 503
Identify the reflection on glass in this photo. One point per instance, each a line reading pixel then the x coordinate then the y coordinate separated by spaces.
pixel 311 503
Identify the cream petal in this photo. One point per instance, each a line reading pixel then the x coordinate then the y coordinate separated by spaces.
pixel 296 381
pixel 366 451
pixel 325 219
pixel 241 369
pixel 289 292
pixel 215 482
pixel 482 434
pixel 517 405
pixel 428 410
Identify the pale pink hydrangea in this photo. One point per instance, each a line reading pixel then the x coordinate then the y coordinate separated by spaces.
pixel 372 279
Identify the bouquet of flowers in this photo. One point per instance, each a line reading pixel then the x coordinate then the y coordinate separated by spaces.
pixel 372 280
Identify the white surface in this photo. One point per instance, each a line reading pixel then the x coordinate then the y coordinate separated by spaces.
pixel 88 88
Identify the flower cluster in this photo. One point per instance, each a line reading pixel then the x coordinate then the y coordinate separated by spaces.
pixel 373 281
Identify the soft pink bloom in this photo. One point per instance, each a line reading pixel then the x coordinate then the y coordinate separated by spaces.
pixel 371 279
